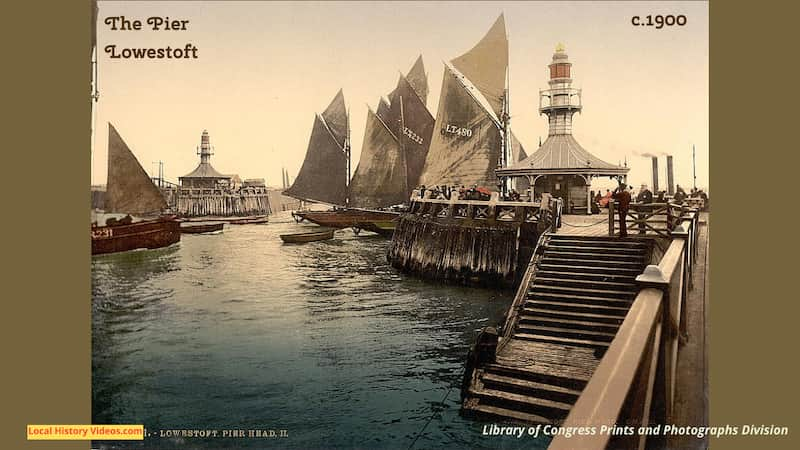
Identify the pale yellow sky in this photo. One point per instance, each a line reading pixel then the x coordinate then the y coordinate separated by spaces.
pixel 266 68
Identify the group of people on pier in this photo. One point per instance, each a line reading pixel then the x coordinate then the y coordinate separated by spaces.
pixel 463 193
pixel 645 195
pixel 623 195
pixel 447 192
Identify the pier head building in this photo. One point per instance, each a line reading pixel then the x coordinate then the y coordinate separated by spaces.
pixel 561 166
pixel 207 192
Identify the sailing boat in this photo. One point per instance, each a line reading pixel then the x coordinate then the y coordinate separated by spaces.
pixel 325 172
pixel 474 135
pixel 396 141
pixel 395 145
pixel 130 191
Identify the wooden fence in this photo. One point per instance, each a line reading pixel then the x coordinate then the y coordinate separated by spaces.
pixel 547 212
pixel 648 218
pixel 635 382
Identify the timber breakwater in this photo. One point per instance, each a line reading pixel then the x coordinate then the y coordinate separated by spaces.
pixel 469 241
pixel 198 202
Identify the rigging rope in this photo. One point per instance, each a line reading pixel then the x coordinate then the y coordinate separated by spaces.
pixel 432 415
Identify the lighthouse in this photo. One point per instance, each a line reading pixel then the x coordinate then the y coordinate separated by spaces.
pixel 561 166
pixel 204 176
pixel 205 151
pixel 561 101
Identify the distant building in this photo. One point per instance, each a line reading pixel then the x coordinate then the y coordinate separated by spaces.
pixel 204 176
pixel 254 182
pixel 235 181
pixel 207 192
pixel 561 166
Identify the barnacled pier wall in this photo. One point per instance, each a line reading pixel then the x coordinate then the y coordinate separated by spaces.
pixel 468 241
pixel 219 202
pixel 452 251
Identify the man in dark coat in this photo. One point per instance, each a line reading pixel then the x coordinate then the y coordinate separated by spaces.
pixel 645 196
pixel 680 195
pixel 623 198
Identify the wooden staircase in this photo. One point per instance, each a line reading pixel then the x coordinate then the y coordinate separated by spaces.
pixel 578 295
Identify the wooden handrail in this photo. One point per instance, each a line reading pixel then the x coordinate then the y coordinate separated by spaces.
pixel 474 202
pixel 522 294
pixel 646 342
pixel 618 373
pixel 648 216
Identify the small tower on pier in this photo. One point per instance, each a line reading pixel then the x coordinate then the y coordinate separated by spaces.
pixel 205 150
pixel 561 166
pixel 204 175
pixel 561 101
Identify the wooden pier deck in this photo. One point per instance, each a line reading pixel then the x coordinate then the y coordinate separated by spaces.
pixel 593 334
pixel 583 225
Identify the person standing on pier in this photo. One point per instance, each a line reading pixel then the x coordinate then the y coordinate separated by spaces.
pixel 623 197
pixel 680 195
pixel 645 197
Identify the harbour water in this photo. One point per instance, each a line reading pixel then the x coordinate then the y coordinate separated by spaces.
pixel 326 340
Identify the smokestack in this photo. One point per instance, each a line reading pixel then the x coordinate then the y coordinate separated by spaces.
pixel 670 176
pixel 655 173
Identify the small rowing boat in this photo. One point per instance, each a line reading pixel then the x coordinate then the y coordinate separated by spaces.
pixel 199 228
pixel 307 236
pixel 249 220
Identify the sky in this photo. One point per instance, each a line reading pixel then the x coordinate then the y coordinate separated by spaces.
pixel 265 68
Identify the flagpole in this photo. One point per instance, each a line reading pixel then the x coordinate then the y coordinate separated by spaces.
pixel 694 168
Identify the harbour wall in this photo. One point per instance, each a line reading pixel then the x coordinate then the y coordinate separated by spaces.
pixel 471 242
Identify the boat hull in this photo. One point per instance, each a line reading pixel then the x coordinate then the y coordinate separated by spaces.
pixel 201 228
pixel 147 234
pixel 249 220
pixel 302 238
pixel 382 227
pixel 351 218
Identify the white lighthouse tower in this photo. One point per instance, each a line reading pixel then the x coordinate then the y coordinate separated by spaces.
pixel 561 166
pixel 561 101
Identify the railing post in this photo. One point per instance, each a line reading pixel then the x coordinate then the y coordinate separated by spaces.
pixel 451 207
pixel 669 276
pixel 611 217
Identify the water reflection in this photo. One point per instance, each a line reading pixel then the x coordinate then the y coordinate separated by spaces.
pixel 325 339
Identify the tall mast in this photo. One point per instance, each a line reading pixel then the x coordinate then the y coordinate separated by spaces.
pixel 694 169
pixel 95 93
pixel 347 154
pixel 403 141
pixel 505 156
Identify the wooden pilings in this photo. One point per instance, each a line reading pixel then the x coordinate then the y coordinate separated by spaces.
pixel 192 203
pixel 469 240
pixel 452 251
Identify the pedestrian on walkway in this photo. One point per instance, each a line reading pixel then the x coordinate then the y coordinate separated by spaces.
pixel 623 198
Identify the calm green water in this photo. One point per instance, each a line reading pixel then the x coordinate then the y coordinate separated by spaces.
pixel 324 340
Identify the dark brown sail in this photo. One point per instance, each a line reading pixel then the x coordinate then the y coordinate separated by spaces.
pixel 466 142
pixel 419 80
pixel 383 111
pixel 323 176
pixel 413 124
pixel 485 65
pixel 335 116
pixel 518 153
pixel 130 190
pixel 380 179
pixel 467 139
